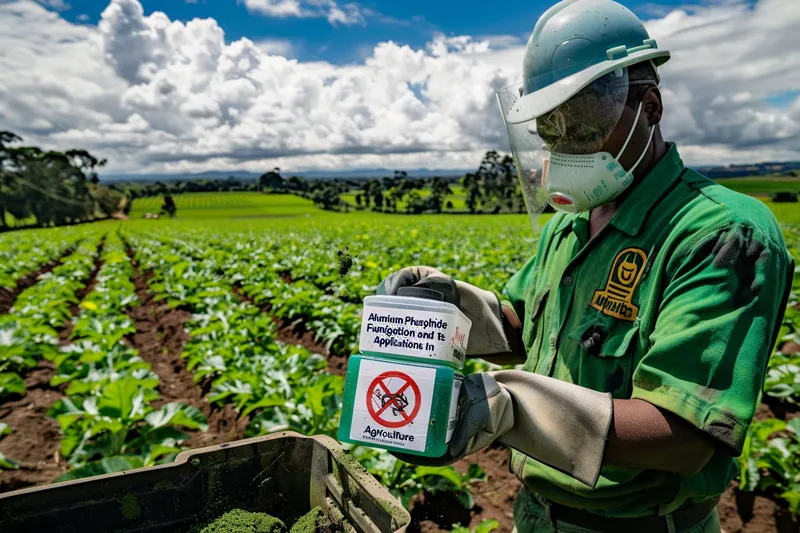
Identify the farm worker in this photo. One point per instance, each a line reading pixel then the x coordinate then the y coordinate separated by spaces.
pixel 644 321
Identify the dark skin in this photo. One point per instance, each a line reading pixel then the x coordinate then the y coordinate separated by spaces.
pixel 641 434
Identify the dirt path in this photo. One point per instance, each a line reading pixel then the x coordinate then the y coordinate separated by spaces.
pixel 9 296
pixel 160 338
pixel 36 439
pixel 296 333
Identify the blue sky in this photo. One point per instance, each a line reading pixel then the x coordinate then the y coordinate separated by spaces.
pixel 330 84
pixel 411 22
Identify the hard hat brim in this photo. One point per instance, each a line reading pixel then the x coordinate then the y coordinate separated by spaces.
pixel 543 101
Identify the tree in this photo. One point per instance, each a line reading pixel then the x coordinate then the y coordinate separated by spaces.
pixel 6 183
pixel 449 204
pixel 379 200
pixel 296 183
pixel 327 197
pixel 472 186
pixel 272 180
pixel 169 206
pixel 358 200
pixel 110 201
pixel 127 204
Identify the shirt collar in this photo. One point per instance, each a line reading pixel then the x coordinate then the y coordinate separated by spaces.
pixel 645 195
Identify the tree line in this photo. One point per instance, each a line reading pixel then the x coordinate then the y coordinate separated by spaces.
pixel 492 188
pixel 52 187
pixel 57 188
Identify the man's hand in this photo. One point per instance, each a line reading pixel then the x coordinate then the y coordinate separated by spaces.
pixel 490 332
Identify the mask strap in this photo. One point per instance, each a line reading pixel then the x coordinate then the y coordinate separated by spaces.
pixel 630 133
pixel 649 139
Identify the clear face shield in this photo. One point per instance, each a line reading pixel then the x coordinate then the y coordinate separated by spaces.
pixel 557 153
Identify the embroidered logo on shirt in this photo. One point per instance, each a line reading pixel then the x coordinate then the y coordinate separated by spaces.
pixel 626 271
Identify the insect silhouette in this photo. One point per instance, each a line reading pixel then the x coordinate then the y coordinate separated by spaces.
pixel 400 402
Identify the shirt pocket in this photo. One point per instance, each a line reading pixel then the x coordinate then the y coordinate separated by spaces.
pixel 532 333
pixel 604 349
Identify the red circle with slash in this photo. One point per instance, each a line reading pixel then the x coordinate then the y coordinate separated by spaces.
pixel 394 401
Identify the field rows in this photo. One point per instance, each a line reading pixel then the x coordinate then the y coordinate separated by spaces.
pixel 194 334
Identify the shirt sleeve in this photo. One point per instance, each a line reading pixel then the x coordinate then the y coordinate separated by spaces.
pixel 717 324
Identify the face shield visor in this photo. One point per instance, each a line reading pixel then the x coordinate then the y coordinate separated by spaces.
pixel 565 141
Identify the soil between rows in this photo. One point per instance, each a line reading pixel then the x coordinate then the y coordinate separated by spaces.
pixel 160 337
pixel 35 442
pixel 289 332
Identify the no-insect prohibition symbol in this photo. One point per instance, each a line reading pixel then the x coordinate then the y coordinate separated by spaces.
pixel 393 399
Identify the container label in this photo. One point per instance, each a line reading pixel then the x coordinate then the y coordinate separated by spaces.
pixel 453 417
pixel 393 405
pixel 414 333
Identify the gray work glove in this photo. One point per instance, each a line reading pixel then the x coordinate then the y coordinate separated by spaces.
pixel 560 424
pixel 483 308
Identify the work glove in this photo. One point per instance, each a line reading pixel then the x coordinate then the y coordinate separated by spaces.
pixel 560 424
pixel 483 308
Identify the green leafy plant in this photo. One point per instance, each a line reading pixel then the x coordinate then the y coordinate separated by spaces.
pixel 5 462
pixel 487 526
pixel 405 481
pixel 770 461
pixel 121 423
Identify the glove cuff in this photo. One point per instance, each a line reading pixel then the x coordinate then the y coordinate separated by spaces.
pixel 560 424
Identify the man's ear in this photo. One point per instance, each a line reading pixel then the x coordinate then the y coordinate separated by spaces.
pixel 651 103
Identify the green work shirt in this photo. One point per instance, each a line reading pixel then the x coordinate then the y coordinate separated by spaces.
pixel 678 302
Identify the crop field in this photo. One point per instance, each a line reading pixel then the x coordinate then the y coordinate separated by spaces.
pixel 763 186
pixel 124 342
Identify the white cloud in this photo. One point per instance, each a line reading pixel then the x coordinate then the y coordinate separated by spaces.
pixel 347 14
pixel 727 59
pixel 276 47
pixel 152 94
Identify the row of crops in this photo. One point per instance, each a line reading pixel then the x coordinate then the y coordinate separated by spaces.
pixel 240 286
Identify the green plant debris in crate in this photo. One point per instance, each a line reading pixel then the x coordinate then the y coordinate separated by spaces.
pixel 239 521
pixel 316 521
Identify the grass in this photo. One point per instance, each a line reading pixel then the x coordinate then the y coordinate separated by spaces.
pixel 229 205
pixel 762 186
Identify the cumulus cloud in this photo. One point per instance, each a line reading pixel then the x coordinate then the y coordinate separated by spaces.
pixel 152 94
pixel 348 14
pixel 727 60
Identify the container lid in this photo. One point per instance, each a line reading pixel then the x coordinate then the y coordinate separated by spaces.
pixel 421 292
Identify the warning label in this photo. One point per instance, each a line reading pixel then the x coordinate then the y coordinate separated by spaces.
pixel 385 405
pixel 392 406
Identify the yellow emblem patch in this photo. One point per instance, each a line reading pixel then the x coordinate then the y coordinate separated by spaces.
pixel 615 299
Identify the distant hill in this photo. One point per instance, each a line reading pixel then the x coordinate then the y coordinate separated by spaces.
pixel 713 172
pixel 753 169
pixel 310 175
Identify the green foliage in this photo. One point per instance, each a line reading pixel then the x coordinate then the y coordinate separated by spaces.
pixel 107 420
pixel 6 463
pixel 487 526
pixel 54 187
pixel 122 423
pixel 771 460
pixel 405 480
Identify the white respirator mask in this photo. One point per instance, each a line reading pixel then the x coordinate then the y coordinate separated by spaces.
pixel 580 182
